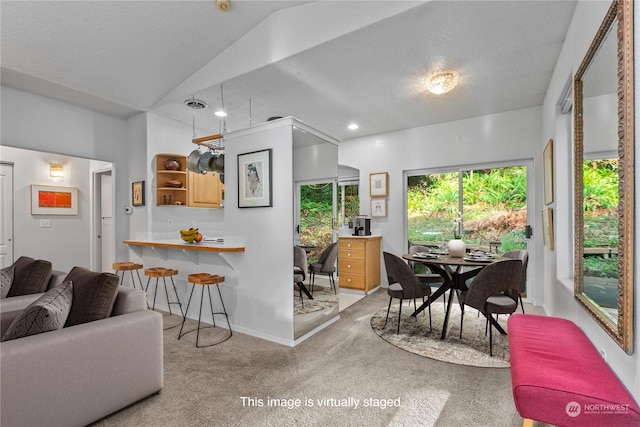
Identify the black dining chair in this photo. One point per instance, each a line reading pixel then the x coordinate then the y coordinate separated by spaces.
pixel 495 290
pixel 403 284
pixel 299 269
pixel 325 265
pixel 427 278
pixel 523 256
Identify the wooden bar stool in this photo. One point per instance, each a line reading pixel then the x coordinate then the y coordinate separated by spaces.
pixel 159 272
pixel 130 267
pixel 206 279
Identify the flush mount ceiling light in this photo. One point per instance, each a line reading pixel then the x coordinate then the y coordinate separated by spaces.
pixel 442 81
pixel 56 170
pixel 353 126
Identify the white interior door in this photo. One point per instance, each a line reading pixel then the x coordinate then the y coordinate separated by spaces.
pixel 106 224
pixel 6 215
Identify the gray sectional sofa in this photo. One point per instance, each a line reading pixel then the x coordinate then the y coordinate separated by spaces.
pixel 79 374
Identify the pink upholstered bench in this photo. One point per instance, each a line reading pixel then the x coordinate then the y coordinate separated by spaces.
pixel 559 378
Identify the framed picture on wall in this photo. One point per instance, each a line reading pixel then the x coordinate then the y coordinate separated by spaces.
pixel 378 184
pixel 547 227
pixel 52 200
pixel 137 193
pixel 378 208
pixel 254 179
pixel 548 172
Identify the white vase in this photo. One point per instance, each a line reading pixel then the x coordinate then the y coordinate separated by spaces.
pixel 457 248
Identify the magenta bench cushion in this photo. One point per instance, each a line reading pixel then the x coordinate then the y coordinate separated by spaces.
pixel 558 377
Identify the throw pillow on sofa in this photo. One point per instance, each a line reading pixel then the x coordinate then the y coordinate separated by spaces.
pixel 6 279
pixel 93 295
pixel 30 276
pixel 47 313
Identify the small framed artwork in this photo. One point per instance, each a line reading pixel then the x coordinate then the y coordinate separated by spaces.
pixel 137 193
pixel 547 227
pixel 378 208
pixel 378 184
pixel 254 179
pixel 52 200
pixel 548 172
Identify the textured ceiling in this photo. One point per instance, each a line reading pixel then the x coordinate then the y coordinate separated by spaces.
pixel 137 56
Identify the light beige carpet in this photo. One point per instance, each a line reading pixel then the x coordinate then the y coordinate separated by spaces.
pixel 416 337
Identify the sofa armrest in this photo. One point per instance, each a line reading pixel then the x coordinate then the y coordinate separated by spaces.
pixel 57 277
pixel 79 374
pixel 129 300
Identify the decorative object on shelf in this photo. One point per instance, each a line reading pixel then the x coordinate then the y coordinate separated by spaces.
pixel 137 193
pixel 378 208
pixel 378 184
pixel 172 165
pixel 548 172
pixel 51 200
pixel 547 227
pixel 173 184
pixel 254 179
pixel 457 248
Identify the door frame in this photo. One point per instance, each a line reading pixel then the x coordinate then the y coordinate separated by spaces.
pixel 10 226
pixel 96 217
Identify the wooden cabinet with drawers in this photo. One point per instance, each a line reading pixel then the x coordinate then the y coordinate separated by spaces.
pixel 359 262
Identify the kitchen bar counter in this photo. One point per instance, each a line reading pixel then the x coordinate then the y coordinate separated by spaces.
pixel 179 244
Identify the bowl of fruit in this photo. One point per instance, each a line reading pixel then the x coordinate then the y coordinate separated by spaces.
pixel 191 235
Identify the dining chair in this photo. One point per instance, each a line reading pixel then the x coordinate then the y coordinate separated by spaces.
pixel 403 284
pixel 495 290
pixel 430 279
pixel 523 256
pixel 325 265
pixel 299 268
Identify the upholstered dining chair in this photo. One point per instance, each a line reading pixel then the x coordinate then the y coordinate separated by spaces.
pixel 523 256
pixel 299 268
pixel 429 279
pixel 325 265
pixel 403 284
pixel 495 290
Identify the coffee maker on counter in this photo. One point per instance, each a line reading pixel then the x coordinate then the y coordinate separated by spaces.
pixel 361 226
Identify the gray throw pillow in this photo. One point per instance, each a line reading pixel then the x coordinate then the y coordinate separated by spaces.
pixel 47 313
pixel 6 279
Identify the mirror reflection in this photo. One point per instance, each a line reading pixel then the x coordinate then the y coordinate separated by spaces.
pixel 603 198
pixel 315 170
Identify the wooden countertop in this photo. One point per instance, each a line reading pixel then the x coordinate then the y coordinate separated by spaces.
pixel 361 237
pixel 179 244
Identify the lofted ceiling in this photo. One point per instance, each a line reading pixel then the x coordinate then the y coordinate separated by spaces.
pixel 327 63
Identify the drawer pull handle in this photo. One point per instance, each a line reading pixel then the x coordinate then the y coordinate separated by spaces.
pixel 349 266
pixel 348 280
pixel 349 254
pixel 349 245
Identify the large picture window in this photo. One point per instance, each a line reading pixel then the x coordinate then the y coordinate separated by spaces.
pixel 491 204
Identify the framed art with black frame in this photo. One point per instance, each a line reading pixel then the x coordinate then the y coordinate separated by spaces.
pixel 254 179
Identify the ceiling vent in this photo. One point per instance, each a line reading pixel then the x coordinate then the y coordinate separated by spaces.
pixel 195 104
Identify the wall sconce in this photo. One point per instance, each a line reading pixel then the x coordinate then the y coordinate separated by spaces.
pixel 56 170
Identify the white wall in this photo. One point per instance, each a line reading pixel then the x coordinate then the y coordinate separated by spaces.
pixel 65 243
pixel 558 281
pixel 38 123
pixel 262 292
pixel 508 136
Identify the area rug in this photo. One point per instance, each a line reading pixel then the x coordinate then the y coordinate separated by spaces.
pixel 323 298
pixel 415 337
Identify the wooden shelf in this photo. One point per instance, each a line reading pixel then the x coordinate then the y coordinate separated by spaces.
pixel 171 196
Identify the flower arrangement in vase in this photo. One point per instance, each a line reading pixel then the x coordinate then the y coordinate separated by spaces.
pixel 457 247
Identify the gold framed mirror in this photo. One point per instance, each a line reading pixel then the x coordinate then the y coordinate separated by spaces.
pixel 604 163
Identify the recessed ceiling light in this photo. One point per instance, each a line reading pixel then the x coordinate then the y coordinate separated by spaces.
pixel 353 126
pixel 442 81
pixel 220 113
